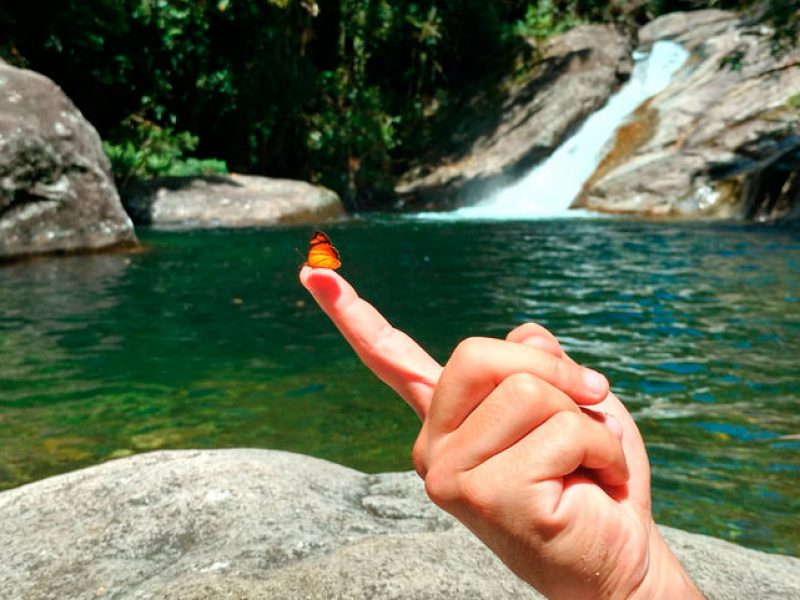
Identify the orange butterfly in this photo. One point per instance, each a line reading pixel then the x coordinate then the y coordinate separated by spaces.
pixel 321 252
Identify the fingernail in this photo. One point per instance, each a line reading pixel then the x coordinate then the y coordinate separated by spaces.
pixel 595 382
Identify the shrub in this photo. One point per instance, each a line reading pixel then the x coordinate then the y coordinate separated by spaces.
pixel 147 150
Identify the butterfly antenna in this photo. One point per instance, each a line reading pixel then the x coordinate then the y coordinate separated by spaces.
pixel 302 257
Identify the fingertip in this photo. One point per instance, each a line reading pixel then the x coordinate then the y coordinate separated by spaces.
pixel 304 274
pixel 324 284
pixel 595 384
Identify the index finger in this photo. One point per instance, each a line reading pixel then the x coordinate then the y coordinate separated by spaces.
pixel 393 356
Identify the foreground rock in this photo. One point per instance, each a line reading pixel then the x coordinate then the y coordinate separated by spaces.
pixel 56 189
pixel 722 140
pixel 229 201
pixel 578 73
pixel 267 524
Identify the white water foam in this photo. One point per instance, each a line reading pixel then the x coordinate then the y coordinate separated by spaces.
pixel 550 187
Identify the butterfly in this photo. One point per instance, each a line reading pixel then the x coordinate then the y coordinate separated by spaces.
pixel 321 252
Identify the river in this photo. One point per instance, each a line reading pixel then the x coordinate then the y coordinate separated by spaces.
pixel 205 339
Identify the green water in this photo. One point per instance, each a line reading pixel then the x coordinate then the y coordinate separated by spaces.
pixel 206 340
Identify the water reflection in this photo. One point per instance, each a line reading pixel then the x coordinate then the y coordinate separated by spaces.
pixel 41 302
pixel 698 328
pixel 208 341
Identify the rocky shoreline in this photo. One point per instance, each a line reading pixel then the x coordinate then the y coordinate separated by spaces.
pixel 721 141
pixel 56 189
pixel 57 193
pixel 499 141
pixel 249 523
pixel 229 201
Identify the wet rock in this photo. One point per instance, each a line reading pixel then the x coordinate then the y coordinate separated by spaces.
pixel 56 189
pixel 268 524
pixel 229 201
pixel 722 140
pixel 577 74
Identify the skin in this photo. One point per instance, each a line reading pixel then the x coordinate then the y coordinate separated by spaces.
pixel 509 446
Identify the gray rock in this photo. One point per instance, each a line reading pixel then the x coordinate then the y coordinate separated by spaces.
pixel 56 189
pixel 722 140
pixel 268 524
pixel 577 74
pixel 229 201
pixel 725 571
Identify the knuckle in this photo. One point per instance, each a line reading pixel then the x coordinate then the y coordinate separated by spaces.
pixel 419 456
pixel 561 372
pixel 469 352
pixel 440 485
pixel 524 386
pixel 455 491
pixel 546 345
pixel 536 336
pixel 530 329
pixel 478 495
pixel 546 523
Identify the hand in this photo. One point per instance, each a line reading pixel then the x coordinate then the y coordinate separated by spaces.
pixel 559 492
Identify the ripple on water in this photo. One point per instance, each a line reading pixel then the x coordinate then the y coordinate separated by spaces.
pixel 208 341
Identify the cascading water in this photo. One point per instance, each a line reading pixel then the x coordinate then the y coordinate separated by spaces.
pixel 551 186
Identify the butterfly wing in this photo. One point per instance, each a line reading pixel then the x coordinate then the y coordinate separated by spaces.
pixel 321 252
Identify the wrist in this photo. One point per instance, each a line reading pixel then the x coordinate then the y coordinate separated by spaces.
pixel 666 577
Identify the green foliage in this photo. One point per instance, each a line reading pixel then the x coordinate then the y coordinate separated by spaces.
pixel 784 15
pixel 147 150
pixel 544 19
pixel 732 60
pixel 337 92
pixel 347 92
pixel 794 101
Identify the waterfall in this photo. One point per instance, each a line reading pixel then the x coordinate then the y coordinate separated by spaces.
pixel 550 187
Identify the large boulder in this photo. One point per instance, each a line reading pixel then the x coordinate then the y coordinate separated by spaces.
pixel 229 201
pixel 56 189
pixel 498 139
pixel 268 524
pixel 722 140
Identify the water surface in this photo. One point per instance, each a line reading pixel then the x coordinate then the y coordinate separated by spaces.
pixel 207 340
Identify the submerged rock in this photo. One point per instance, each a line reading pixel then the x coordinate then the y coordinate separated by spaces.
pixel 229 201
pixel 268 524
pixel 722 140
pixel 578 73
pixel 56 189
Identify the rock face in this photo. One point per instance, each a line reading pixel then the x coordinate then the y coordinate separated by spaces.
pixel 578 73
pixel 267 524
pixel 56 189
pixel 229 201
pixel 722 140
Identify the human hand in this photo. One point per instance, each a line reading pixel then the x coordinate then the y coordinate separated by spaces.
pixel 559 492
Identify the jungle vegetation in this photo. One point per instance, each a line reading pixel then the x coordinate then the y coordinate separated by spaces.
pixel 345 93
